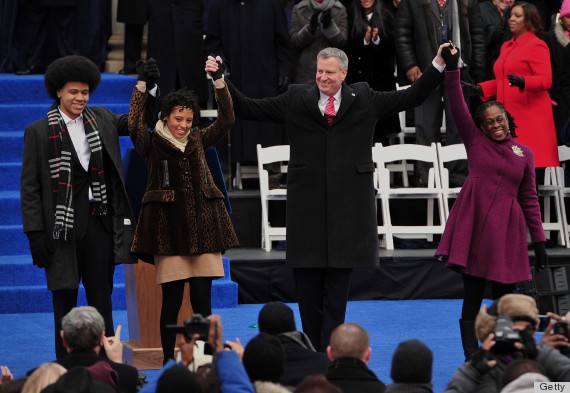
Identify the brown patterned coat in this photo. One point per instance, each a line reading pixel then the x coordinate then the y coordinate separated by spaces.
pixel 183 214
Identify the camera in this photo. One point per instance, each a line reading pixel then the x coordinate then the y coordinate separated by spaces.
pixel 505 336
pixel 196 324
pixel 561 327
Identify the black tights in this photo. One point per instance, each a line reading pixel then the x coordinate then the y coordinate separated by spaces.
pixel 474 291
pixel 172 294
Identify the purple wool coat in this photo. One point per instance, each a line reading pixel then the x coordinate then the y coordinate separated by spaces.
pixel 486 233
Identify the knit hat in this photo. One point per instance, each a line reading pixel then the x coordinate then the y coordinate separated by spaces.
pixel 78 380
pixel 412 363
pixel 177 379
pixel 565 8
pixel 275 318
pixel 515 306
pixel 103 372
pixel 264 358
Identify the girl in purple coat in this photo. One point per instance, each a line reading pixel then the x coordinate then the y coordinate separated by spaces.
pixel 485 237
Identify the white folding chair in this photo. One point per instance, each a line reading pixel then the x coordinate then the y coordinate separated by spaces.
pixel 551 191
pixel 268 155
pixel 564 190
pixel 447 154
pixel 382 155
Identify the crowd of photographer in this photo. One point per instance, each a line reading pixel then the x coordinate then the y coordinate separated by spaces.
pixel 511 357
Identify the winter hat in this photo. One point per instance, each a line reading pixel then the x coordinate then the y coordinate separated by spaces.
pixel 515 306
pixel 565 8
pixel 78 380
pixel 103 372
pixel 177 379
pixel 275 318
pixel 264 358
pixel 412 363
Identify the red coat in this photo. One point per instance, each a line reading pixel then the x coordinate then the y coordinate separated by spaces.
pixel 529 57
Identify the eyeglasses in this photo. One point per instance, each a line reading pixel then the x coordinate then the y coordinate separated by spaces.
pixel 498 119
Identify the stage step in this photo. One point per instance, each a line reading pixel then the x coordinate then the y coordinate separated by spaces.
pixel 11 145
pixel 23 287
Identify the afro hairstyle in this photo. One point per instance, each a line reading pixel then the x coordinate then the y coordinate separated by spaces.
pixel 72 68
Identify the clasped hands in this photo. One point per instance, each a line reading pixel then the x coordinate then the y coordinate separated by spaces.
pixel 148 72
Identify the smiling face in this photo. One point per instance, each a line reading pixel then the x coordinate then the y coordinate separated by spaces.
pixel 517 23
pixel 495 123
pixel 179 122
pixel 367 5
pixel 329 76
pixel 73 97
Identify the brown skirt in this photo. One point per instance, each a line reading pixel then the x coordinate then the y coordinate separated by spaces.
pixel 180 267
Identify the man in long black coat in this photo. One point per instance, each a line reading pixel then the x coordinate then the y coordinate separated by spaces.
pixel 252 38
pixel 331 206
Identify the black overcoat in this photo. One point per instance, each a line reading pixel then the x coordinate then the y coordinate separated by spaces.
pixel 331 206
pixel 252 37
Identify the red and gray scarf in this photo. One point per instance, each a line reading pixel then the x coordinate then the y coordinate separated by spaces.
pixel 61 169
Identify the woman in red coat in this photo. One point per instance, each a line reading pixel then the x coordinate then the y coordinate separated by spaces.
pixel 523 76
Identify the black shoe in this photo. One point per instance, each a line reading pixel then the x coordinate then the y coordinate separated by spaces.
pixel 32 70
pixel 128 71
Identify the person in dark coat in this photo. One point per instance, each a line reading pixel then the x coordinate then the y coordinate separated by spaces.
pixel 175 41
pixel 494 14
pixel 349 352
pixel 134 14
pixel 301 359
pixel 331 205
pixel 253 40
pixel 83 334
pixel 76 215
pixel 371 53
pixel 411 369
pixel 183 225
pixel 420 27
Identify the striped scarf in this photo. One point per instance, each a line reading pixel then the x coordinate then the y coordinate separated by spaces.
pixel 61 173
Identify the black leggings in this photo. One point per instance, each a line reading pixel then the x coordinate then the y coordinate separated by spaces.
pixel 474 291
pixel 172 294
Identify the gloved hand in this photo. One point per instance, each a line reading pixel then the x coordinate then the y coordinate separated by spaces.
pixel 41 248
pixel 148 71
pixel 541 258
pixel 314 22
pixel 480 360
pixel 220 72
pixel 326 19
pixel 515 80
pixel 450 59
pixel 471 90
pixel 282 83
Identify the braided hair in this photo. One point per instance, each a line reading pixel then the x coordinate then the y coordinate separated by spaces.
pixel 510 119
pixel 184 98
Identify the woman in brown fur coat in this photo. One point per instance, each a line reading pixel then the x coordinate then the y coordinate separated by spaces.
pixel 183 224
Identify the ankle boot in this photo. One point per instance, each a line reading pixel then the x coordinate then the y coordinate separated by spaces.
pixel 468 338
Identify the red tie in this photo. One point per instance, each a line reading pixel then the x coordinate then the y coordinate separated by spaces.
pixel 441 3
pixel 330 112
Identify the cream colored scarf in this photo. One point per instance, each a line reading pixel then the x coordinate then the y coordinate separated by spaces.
pixel 162 129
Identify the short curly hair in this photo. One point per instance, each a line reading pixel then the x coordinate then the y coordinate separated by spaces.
pixel 72 68
pixel 184 98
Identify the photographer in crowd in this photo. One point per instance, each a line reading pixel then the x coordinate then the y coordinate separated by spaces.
pixel 506 330
pixel 230 372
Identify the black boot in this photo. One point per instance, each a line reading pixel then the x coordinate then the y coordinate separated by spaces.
pixel 468 338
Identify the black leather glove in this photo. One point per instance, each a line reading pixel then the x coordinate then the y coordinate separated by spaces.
pixel 326 19
pixel 515 80
pixel 541 258
pixel 471 90
pixel 220 72
pixel 314 22
pixel 41 248
pixel 479 360
pixel 282 83
pixel 148 71
pixel 450 60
